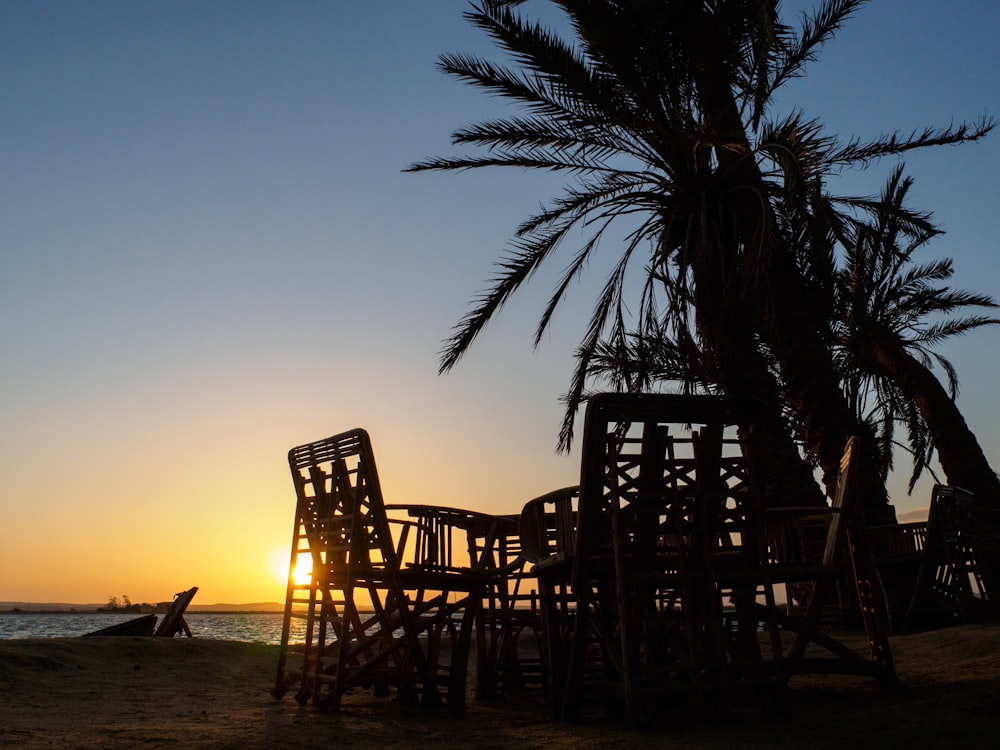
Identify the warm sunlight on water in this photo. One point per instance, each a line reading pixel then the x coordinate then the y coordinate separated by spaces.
pixel 246 627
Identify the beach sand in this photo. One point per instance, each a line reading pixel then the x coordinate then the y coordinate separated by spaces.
pixel 198 693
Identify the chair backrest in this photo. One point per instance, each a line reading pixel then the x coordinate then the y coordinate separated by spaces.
pixel 340 511
pixel 843 499
pixel 547 525
pixel 666 464
pixel 950 513
pixel 174 623
pixel 952 531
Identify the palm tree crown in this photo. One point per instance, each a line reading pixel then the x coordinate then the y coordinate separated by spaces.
pixel 658 113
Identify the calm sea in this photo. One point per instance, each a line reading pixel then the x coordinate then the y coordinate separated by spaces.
pixel 250 628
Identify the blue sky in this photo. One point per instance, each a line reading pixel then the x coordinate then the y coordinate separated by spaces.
pixel 210 254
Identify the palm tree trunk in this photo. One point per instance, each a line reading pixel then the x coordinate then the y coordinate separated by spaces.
pixel 789 322
pixel 790 480
pixel 739 368
pixel 959 453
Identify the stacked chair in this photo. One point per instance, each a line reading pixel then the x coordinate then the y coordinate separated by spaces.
pixel 949 581
pixel 509 633
pixel 657 573
pixel 396 591
pixel 547 531
pixel 662 596
pixel 845 557
pixel 649 586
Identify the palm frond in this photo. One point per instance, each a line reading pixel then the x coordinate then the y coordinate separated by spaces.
pixel 816 30
pixel 529 134
pixel 444 164
pixel 856 153
pixel 514 269
pixel 938 332
pixel 569 79
pixel 585 352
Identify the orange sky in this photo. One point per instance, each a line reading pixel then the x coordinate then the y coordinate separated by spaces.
pixel 212 506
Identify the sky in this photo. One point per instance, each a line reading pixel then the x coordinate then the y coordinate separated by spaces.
pixel 209 253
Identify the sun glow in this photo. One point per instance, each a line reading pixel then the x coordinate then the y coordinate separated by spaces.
pixel 279 567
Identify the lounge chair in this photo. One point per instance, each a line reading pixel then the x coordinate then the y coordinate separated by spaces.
pixel 173 623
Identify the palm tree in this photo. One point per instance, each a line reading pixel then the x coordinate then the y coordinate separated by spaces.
pixel 892 315
pixel 658 111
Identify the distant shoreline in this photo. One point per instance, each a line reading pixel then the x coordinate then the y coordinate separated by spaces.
pixel 18 611
pixel 58 608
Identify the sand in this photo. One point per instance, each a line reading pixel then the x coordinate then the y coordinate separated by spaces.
pixel 198 693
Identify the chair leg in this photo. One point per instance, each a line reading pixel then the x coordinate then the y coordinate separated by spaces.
pixel 460 656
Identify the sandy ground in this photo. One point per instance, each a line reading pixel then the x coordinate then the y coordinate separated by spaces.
pixel 196 693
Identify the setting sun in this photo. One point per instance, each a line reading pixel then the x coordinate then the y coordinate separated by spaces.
pixel 279 567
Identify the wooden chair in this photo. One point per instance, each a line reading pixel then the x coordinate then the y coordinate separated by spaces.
pixel 899 553
pixel 948 581
pixel 509 631
pixel 448 542
pixel 173 622
pixel 669 580
pixel 394 590
pixel 846 543
pixel 547 529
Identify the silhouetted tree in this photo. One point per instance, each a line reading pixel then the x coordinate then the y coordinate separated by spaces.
pixel 892 313
pixel 659 111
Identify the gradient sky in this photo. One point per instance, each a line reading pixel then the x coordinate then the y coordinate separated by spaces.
pixel 209 254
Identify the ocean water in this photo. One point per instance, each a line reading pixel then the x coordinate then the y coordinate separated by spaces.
pixel 241 626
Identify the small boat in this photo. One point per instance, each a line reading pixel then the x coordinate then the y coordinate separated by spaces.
pixel 139 626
